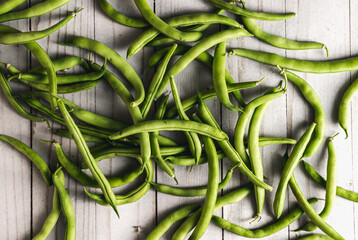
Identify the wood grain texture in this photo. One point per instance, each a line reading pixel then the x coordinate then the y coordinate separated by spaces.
pixel 26 199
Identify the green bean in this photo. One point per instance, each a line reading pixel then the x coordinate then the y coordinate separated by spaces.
pixel 162 26
pixel 313 99
pixel 13 101
pixel 310 212
pixel 154 143
pixel 230 198
pixel 212 190
pixel 344 106
pixel 121 18
pixel 189 160
pixel 62 63
pixel 87 156
pixel 66 205
pixel 219 77
pixel 252 14
pixel 13 70
pixel 244 118
pixel 333 66
pixel 182 21
pixel 204 57
pixel 88 138
pixel 156 80
pixel 124 67
pixel 266 141
pixel 228 149
pixel 190 192
pixel 290 165
pixel 131 196
pixel 265 231
pixel 25 37
pixel 43 59
pixel 8 5
pixel 53 216
pixel 208 94
pixel 254 152
pixel 331 185
pixel 316 237
pixel 33 11
pixel 167 222
pixel 170 125
pixel 344 193
pixel 192 53
pixel 191 137
pixel 86 180
pixel 277 41
pixel 134 111
pixel 31 155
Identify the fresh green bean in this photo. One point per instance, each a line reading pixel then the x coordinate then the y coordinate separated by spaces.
pixel 344 193
pixel 121 18
pixel 331 185
pixel 316 237
pixel 230 198
pixel 8 5
pixel 307 208
pixel 166 223
pixel 185 20
pixel 87 156
pixel 189 160
pixel 290 165
pixel 190 192
pixel 170 125
pixel 247 13
pixel 25 37
pixel 265 231
pixel 124 67
pixel 33 11
pixel 266 141
pixel 313 99
pixel 191 137
pixel 13 70
pixel 156 80
pixel 344 106
pixel 228 149
pixel 31 155
pixel 62 63
pixel 333 66
pixel 199 48
pixel 66 205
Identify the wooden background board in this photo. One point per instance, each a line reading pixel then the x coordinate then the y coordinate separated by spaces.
pixel 26 200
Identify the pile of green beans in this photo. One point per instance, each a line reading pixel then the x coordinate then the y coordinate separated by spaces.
pixel 205 143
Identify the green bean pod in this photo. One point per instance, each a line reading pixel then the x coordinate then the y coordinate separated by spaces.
pixel 344 193
pixel 266 141
pixel 313 99
pixel 265 231
pixel 344 106
pixel 190 192
pixel 199 48
pixel 8 5
pixel 247 13
pixel 182 21
pixel 123 66
pixel 192 138
pixel 33 11
pixel 316 237
pixel 170 125
pixel 25 37
pixel 230 198
pixel 333 66
pixel 31 155
pixel 331 186
pixel 121 18
pixel 156 80
pixel 173 217
pixel 66 205
pixel 290 165
pixel 62 63
pixel 189 160
pixel 87 156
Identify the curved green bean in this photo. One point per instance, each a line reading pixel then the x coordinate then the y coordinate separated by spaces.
pixel 290 165
pixel 62 63
pixel 265 231
pixel 8 5
pixel 25 37
pixel 344 106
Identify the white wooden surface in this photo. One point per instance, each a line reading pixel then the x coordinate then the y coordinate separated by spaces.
pixel 26 200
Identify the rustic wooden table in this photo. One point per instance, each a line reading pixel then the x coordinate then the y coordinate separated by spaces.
pixel 26 200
